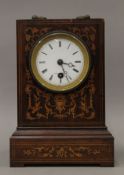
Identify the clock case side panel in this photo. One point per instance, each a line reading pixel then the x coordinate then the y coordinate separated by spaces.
pixel 20 72
pixel 22 75
pixel 101 70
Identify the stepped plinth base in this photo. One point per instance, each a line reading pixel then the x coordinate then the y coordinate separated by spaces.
pixel 61 147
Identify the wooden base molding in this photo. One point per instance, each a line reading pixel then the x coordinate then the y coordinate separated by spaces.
pixel 61 147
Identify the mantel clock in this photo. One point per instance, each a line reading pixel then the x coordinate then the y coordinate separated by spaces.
pixel 61 94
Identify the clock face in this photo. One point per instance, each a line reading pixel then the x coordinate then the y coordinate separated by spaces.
pixel 60 62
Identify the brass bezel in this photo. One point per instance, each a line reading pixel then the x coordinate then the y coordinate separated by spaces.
pixel 82 47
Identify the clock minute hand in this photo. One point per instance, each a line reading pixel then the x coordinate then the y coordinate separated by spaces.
pixel 65 73
pixel 60 63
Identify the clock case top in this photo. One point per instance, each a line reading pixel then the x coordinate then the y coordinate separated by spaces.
pixel 83 107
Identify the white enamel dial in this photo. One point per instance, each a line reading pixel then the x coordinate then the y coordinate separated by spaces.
pixel 59 61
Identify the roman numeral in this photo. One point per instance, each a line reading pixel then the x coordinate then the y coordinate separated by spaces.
pixel 68 45
pixel 50 46
pixel 60 43
pixel 77 61
pixel 75 70
pixel 40 62
pixel 43 71
pixel 44 53
pixel 51 77
pixel 70 78
pixel 75 53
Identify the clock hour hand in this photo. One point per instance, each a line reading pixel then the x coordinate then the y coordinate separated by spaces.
pixel 60 62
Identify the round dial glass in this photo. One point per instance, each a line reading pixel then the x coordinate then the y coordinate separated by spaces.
pixel 60 61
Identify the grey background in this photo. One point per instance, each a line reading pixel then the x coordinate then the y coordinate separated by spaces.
pixel 112 11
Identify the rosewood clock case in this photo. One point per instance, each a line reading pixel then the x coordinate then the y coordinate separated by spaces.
pixel 61 128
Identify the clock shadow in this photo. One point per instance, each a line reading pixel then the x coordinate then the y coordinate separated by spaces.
pixel 119 156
